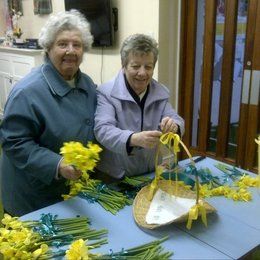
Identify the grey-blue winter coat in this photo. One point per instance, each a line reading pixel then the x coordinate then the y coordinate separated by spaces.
pixel 41 113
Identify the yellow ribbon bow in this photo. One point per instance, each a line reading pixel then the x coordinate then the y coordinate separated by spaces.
pixel 194 214
pixel 172 140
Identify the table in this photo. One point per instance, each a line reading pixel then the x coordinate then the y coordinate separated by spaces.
pixel 232 232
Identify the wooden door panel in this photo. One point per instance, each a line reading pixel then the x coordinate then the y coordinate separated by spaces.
pixel 247 114
pixel 253 104
pixel 207 75
pixel 227 77
pixel 188 57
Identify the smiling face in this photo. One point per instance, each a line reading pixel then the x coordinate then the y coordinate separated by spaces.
pixel 66 53
pixel 139 71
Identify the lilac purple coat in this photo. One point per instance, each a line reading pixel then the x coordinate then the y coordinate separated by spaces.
pixel 118 116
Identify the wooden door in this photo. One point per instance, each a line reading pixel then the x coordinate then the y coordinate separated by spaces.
pixel 220 63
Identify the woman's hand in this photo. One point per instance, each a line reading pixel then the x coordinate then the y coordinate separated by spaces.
pixel 68 171
pixel 145 139
pixel 168 125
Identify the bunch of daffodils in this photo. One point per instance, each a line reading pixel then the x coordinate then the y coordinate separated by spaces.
pixel 153 250
pixel 81 157
pixel 19 242
pixel 37 239
pixel 96 191
pixel 85 159
pixel 238 192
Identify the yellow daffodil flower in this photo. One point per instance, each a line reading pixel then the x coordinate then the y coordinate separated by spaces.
pixel 205 192
pixel 83 158
pixel 77 251
pixel 40 251
pixel 247 181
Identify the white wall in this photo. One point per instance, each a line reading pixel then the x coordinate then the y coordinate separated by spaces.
pixel 169 46
pixel 2 19
pixel 158 18
pixel 133 17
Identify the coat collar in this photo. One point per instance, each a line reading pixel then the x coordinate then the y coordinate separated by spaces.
pixel 56 82
pixel 120 91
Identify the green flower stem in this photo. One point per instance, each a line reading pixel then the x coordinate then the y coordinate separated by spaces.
pixel 98 243
pixel 86 233
pixel 110 200
pixel 148 245
pixel 60 223
pixel 136 180
pixel 70 227
pixel 76 231
pixel 71 220
pixel 108 207
pixel 95 234
pixel 226 169
pixel 149 251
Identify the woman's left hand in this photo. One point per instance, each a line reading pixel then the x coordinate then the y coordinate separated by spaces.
pixel 168 125
pixel 68 171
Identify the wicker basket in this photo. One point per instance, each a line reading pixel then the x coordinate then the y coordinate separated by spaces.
pixel 141 203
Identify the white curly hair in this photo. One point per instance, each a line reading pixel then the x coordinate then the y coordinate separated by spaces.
pixel 63 21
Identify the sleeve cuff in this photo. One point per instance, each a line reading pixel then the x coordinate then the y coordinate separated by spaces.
pixel 129 148
pixel 57 176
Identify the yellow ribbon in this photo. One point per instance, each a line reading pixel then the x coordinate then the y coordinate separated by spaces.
pixel 194 213
pixel 154 184
pixel 172 140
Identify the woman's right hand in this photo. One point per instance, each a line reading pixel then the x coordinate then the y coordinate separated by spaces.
pixel 145 139
pixel 68 171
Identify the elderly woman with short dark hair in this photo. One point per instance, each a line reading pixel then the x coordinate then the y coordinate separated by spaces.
pixel 133 111
pixel 53 104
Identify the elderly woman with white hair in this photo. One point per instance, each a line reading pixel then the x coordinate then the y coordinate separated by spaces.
pixel 53 104
pixel 133 111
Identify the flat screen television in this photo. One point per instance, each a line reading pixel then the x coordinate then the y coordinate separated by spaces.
pixel 99 15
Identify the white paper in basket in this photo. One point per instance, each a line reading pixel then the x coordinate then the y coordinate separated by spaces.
pixel 165 208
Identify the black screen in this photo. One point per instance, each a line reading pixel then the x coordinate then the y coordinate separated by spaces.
pixel 98 13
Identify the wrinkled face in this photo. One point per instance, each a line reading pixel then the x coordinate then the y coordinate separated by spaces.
pixel 66 53
pixel 139 71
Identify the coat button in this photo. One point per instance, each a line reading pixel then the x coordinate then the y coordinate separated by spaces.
pixel 88 122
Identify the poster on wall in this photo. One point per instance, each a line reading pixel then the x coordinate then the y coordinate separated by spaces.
pixel 15 6
pixel 42 6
